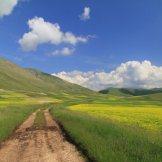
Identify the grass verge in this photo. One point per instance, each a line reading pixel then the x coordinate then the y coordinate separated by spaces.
pixel 12 116
pixel 106 140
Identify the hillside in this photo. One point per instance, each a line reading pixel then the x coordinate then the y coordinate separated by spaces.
pixel 114 92
pixel 13 77
pixel 131 91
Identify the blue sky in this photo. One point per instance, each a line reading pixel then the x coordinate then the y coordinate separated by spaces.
pixel 120 31
pixel 125 30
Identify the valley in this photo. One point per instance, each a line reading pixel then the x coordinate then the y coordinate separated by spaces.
pixel 45 118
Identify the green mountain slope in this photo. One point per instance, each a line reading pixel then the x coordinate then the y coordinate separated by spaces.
pixel 139 92
pixel 114 92
pixel 149 97
pixel 131 92
pixel 13 77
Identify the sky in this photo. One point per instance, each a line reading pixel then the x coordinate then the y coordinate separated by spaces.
pixel 96 44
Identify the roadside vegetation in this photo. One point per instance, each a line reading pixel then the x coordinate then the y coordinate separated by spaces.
pixel 12 116
pixel 15 107
pixel 114 129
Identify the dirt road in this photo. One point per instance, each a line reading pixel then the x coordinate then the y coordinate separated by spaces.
pixel 46 145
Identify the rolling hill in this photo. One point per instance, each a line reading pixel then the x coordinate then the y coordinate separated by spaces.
pixel 131 91
pixel 13 77
pixel 115 92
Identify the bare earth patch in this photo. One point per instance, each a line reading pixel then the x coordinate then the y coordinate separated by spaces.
pixel 39 145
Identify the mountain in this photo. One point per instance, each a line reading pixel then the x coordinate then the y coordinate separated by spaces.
pixel 131 91
pixel 114 92
pixel 139 92
pixel 13 77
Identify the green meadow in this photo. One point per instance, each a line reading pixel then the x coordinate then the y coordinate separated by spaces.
pixel 116 125
pixel 15 107
pixel 116 129
pixel 106 127
pixel 148 117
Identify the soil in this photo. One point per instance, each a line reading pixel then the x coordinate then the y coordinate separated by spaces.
pixel 28 144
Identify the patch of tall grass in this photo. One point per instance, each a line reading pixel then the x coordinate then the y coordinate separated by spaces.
pixel 39 122
pixel 110 141
pixel 12 116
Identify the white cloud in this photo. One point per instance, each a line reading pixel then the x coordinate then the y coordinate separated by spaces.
pixel 132 74
pixel 7 6
pixel 86 14
pixel 42 32
pixel 64 52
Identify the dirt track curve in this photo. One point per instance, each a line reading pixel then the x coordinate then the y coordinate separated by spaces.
pixel 45 145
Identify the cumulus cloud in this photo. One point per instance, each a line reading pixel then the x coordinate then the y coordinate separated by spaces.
pixel 132 74
pixel 7 6
pixel 42 32
pixel 64 52
pixel 86 14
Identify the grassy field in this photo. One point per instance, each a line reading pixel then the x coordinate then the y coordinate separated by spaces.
pixel 115 131
pixel 15 107
pixel 118 126
pixel 148 117
pixel 107 127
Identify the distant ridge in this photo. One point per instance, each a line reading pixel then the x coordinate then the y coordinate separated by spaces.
pixel 131 91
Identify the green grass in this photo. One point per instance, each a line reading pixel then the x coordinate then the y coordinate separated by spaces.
pixel 15 107
pixel 17 98
pixel 39 122
pixel 116 127
pixel 113 140
pixel 12 116
pixel 148 117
